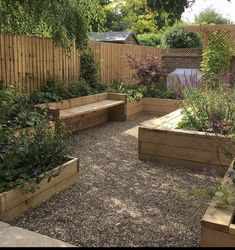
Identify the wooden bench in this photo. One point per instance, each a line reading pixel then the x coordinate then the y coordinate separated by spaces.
pixel 84 112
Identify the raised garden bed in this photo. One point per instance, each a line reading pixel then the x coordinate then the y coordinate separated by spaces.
pixel 156 106
pixel 14 202
pixel 218 225
pixel 161 141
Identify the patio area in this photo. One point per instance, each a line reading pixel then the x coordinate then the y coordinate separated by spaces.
pixel 120 200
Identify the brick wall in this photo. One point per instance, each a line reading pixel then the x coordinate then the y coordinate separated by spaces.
pixel 173 62
pixel 170 63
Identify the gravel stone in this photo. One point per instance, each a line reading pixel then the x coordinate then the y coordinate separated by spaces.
pixel 119 200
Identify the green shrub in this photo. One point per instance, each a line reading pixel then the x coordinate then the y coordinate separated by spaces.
pixel 26 154
pixel 156 92
pixel 29 155
pixel 133 92
pixel 209 110
pixel 54 91
pixel 150 39
pixel 89 67
pixel 15 109
pixel 216 58
pixel 9 97
pixel 179 37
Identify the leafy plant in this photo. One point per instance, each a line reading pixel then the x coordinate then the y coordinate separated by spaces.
pixel 156 92
pixel 147 70
pixel 28 145
pixel 179 37
pixel 89 67
pixel 29 155
pixel 133 92
pixel 150 39
pixel 216 57
pixel 65 21
pixel 209 110
pixel 54 91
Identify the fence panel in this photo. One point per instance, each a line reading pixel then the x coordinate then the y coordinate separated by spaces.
pixel 27 61
pixel 114 66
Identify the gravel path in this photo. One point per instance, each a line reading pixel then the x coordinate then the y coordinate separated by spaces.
pixel 120 200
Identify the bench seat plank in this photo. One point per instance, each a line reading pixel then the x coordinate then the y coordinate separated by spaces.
pixel 79 110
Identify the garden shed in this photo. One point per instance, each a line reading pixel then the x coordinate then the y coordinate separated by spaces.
pixel 115 37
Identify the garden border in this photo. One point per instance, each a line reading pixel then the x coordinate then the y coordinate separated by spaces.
pixel 217 227
pixel 156 106
pixel 163 142
pixel 14 202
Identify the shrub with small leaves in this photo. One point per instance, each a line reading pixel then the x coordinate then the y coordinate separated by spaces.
pixel 89 67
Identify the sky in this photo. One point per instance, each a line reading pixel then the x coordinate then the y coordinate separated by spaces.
pixel 227 9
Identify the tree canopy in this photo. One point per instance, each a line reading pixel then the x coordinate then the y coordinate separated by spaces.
pixel 63 20
pixel 174 8
pixel 209 16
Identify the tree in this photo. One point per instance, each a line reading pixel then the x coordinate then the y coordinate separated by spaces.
pixel 63 20
pixel 211 16
pixel 174 8
pixel 136 15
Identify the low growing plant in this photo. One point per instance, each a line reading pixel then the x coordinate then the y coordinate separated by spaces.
pixel 133 92
pixel 54 91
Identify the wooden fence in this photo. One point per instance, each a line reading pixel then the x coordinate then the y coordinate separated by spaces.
pixel 113 65
pixel 27 61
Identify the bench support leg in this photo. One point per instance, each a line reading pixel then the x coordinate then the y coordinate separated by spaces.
pixel 118 113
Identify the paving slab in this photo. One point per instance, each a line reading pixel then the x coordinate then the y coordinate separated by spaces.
pixel 3 226
pixel 18 237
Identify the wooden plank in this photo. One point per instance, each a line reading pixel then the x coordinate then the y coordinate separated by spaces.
pixel 7 59
pixel 217 218
pixel 198 166
pixel 232 229
pixel 161 102
pixel 89 108
pixel 39 198
pixel 15 197
pixel 87 120
pixel 155 123
pixel 185 154
pixel 162 137
pixel 213 238
pixel 162 109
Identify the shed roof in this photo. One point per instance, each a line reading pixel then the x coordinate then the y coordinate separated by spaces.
pixel 118 36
